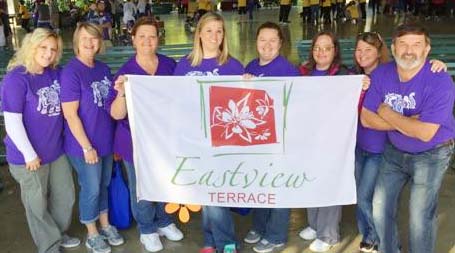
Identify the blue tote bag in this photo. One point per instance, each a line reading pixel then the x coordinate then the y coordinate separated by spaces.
pixel 119 200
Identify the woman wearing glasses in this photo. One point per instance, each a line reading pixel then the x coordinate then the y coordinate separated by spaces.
pixel 324 60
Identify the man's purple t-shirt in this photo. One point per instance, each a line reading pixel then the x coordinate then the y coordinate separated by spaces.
pixel 208 67
pixel 123 144
pixel 277 67
pixel 37 98
pixel 430 96
pixel 90 86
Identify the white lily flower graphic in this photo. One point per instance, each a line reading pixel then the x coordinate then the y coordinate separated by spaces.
pixel 236 119
pixel 264 106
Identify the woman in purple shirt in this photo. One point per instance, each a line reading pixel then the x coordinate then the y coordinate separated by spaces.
pixel 270 225
pixel 151 218
pixel 89 133
pixel 210 56
pixel 34 141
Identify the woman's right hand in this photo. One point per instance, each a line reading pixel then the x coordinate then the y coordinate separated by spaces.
pixel 248 76
pixel 91 157
pixel 33 164
pixel 119 86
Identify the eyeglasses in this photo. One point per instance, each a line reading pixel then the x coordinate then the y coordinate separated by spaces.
pixel 370 37
pixel 322 49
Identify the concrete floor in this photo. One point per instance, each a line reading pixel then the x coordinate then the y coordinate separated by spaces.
pixel 14 235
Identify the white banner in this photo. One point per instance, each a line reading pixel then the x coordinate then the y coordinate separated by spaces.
pixel 267 142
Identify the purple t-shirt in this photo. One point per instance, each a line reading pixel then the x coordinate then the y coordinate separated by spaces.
pixel 277 67
pixel 123 144
pixel 316 72
pixel 89 86
pixel 105 17
pixel 37 98
pixel 428 95
pixel 208 67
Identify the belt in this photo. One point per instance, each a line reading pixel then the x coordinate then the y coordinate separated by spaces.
pixel 450 142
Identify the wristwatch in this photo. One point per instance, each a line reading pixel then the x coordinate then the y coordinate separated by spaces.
pixel 87 149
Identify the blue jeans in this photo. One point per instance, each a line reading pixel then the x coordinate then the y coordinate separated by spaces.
pixel 272 224
pixel 366 171
pixel 218 227
pixel 424 171
pixel 93 181
pixel 314 13
pixel 149 215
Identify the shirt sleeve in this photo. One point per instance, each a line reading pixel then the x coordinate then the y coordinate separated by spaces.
pixel 15 129
pixel 373 97
pixel 439 104
pixel 14 92
pixel 71 86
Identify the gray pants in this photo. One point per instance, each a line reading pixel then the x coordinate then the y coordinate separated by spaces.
pixel 325 220
pixel 48 197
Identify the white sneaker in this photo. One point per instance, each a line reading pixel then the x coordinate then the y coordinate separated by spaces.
pixel 151 242
pixel 320 246
pixel 171 232
pixel 308 234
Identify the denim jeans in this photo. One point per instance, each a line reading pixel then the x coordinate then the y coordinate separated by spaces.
pixel 93 181
pixel 314 13
pixel 149 215
pixel 218 227
pixel 366 171
pixel 424 172
pixel 272 224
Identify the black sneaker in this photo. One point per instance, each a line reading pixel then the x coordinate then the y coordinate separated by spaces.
pixel 375 249
pixel 366 247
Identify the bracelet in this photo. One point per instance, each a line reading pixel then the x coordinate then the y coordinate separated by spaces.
pixel 87 149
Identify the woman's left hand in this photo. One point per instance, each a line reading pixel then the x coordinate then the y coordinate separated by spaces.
pixel 366 83
pixel 438 66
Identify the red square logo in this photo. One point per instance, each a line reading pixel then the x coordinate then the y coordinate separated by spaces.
pixel 241 117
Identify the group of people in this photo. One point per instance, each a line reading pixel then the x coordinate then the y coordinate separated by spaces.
pixel 76 116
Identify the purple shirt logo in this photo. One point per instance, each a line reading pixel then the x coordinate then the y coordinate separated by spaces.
pixel 48 100
pixel 202 73
pixel 399 103
pixel 100 91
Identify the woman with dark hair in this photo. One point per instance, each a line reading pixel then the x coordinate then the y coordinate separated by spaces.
pixel 270 225
pixel 152 220
pixel 324 60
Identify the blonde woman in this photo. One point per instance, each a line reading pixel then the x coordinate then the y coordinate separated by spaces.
pixel 89 133
pixel 34 141
pixel 210 57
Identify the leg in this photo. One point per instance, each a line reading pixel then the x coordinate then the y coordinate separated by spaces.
pixel 61 197
pixel 103 202
pixel 389 184
pixel 277 226
pixel 260 217
pixel 143 211
pixel 312 215
pixel 328 224
pixel 34 195
pixel 367 168
pixel 221 227
pixel 428 171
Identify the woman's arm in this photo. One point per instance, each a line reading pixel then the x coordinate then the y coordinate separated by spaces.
pixel 118 107
pixel 77 129
pixel 16 131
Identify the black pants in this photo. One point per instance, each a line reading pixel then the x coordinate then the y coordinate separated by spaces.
pixel 284 12
pixel 24 24
pixel 363 10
